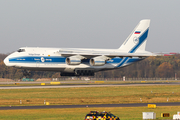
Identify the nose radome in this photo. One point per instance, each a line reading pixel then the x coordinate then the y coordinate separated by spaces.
pixel 6 61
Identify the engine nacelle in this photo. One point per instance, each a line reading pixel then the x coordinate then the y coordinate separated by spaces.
pixel 97 61
pixel 73 60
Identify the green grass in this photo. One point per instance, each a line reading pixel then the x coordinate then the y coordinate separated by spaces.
pixel 125 113
pixel 94 95
pixel 90 95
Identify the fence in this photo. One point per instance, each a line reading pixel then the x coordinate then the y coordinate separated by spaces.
pixel 111 79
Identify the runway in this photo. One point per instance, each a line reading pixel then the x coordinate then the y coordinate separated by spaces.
pixel 88 85
pixel 89 106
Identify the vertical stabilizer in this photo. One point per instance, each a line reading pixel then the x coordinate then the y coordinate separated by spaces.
pixel 137 39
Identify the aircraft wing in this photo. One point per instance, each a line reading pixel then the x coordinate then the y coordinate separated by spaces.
pixel 90 54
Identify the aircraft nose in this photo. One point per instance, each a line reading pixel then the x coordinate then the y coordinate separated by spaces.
pixel 6 61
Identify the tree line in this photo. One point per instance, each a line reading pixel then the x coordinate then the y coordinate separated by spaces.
pixel 151 67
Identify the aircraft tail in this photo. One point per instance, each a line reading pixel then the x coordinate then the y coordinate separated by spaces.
pixel 136 41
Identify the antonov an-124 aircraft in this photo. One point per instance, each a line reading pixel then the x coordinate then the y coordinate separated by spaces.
pixel 82 61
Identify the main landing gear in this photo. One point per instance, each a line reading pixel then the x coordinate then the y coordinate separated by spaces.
pixel 26 73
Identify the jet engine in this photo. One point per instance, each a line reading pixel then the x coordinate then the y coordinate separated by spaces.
pixel 99 61
pixel 74 60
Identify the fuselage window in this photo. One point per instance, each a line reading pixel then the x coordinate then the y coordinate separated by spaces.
pixel 21 50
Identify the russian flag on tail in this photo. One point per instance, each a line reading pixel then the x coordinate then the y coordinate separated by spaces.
pixel 137 32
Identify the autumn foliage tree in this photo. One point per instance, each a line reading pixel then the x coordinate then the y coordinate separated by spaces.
pixel 165 70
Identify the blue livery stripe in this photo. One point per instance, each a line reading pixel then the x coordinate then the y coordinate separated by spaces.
pixel 132 60
pixel 124 60
pixel 35 59
pixel 142 38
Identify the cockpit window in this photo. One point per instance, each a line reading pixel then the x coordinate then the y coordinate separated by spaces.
pixel 21 50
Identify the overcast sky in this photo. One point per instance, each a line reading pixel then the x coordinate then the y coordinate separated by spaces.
pixel 87 23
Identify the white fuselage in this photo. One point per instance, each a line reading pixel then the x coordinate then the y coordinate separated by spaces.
pixel 50 59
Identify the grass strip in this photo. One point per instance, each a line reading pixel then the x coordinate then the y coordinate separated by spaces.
pixel 94 95
pixel 125 113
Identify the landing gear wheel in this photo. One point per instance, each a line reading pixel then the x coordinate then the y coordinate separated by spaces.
pixel 26 73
